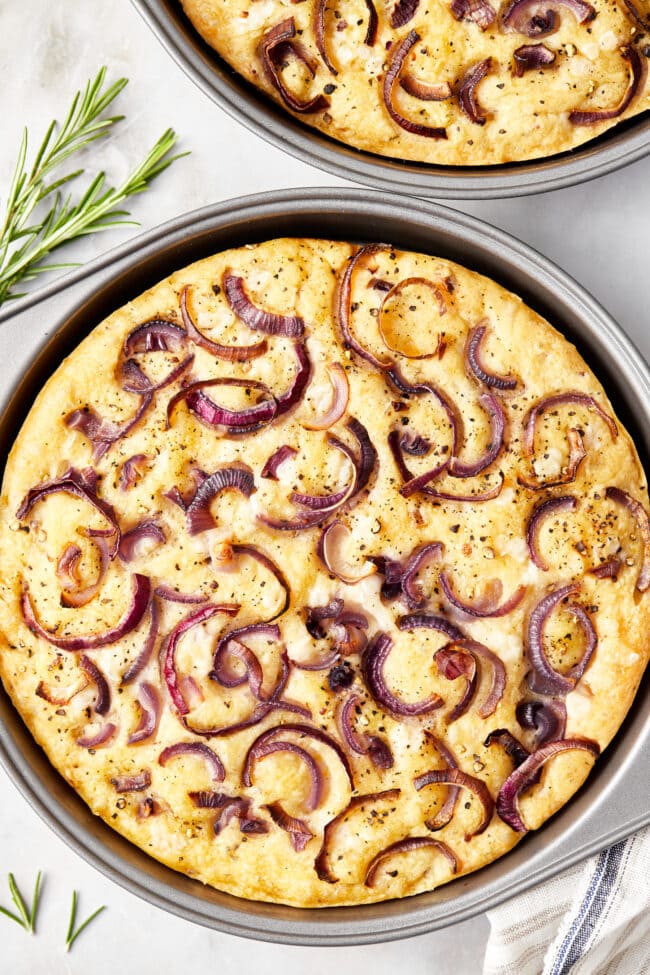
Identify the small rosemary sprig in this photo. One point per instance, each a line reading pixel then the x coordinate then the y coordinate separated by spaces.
pixel 26 919
pixel 27 234
pixel 72 935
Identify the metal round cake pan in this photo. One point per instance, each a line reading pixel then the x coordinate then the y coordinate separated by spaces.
pixel 624 144
pixel 39 331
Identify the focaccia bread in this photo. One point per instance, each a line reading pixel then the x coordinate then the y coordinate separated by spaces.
pixel 450 82
pixel 325 571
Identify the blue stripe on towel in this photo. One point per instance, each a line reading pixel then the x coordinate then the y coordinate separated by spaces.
pixel 594 901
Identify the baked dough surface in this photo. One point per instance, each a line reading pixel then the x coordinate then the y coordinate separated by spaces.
pixel 516 118
pixel 482 544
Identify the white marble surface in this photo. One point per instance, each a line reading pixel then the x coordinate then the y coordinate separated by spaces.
pixel 599 232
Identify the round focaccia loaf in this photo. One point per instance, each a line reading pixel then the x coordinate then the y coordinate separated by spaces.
pixel 324 571
pixel 449 82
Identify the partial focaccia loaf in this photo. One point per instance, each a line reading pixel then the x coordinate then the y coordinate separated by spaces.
pixel 450 540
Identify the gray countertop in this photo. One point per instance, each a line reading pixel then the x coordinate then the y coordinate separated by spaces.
pixel 599 233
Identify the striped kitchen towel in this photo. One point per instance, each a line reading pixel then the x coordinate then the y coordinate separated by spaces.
pixel 594 919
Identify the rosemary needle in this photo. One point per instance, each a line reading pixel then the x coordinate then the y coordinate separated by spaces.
pixel 29 231
pixel 72 935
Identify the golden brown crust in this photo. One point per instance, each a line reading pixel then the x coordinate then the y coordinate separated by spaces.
pixel 526 117
pixel 482 542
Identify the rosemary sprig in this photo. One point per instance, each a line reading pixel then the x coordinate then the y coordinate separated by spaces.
pixel 72 935
pixel 27 235
pixel 26 918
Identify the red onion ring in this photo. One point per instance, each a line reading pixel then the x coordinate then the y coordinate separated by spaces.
pixel 130 541
pixel 452 664
pixel 321 864
pixel 631 9
pixel 543 678
pixel 61 696
pixel 473 360
pixel 101 737
pixel 81 484
pixel 144 656
pixel 415 621
pixel 174 596
pixel 511 745
pixel 213 415
pixel 542 22
pixel 403 12
pixel 373 663
pixel 316 614
pixel 562 399
pixel 169 662
pixel 607 570
pixel 156 335
pixel 343 305
pixel 479 12
pixel 132 783
pixel 396 290
pixel 149 702
pixel 283 453
pixel 299 832
pixel 233 353
pixel 455 776
pixel 418 558
pixel 198 750
pixel 519 779
pixel 547 718
pixel 426 93
pixel 397 57
pixel 418 389
pixel 448 808
pixel 319 31
pixel 407 846
pixel 197 515
pixel 496 413
pixel 317 787
pixel 577 454
pixel 340 398
pixel 565 503
pixel 277 39
pixel 363 744
pixel 230 645
pixel 467 91
pixel 304 731
pixel 326 550
pixel 103 699
pixel 482 610
pixel 140 594
pixel 286 401
pixel 640 515
pixel 532 57
pixel 256 318
pixel 80 596
pixel 131 471
pixel 255 553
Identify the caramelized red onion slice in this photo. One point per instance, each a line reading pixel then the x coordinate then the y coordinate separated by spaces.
pixel 299 832
pixel 66 567
pixel 321 863
pixel 278 41
pixel 174 596
pixel 103 699
pixel 416 561
pixel 414 444
pixel 81 484
pixel 283 453
pixel 99 738
pixel 373 664
pixel 343 305
pixel 156 335
pixel 511 745
pixel 640 515
pixel 62 695
pixel 562 399
pixel 448 808
pixel 149 702
pixel 377 750
pixel 255 553
pixel 197 515
pixel 453 663
pixel 101 434
pixel 230 645
pixel 577 454
pixel 317 614
pixel 565 503
pixel 426 93
pixel 317 782
pixel 198 750
pixel 397 289
pixel 586 117
pixel 608 569
pixel 480 12
pixel 538 18
pixel 429 621
pixel 328 551
pixel 169 662
pixel 131 541
pixel 543 678
pixel 635 14
pixel 319 31
pixel 131 470
pixel 473 357
pixel 407 845
pixel 303 731
pixel 547 718
pixel 467 91
pixel 214 415
pixel 132 783
pixel 403 12
pixel 78 595
pixel 477 787
pixel 256 318
pixel 340 398
pixel 496 413
pixel 507 800
pixel 418 389
pixel 232 353
pixel 144 656
pixel 485 609
pixel 140 595
pixel 397 57
pixel 478 498
pixel 531 57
